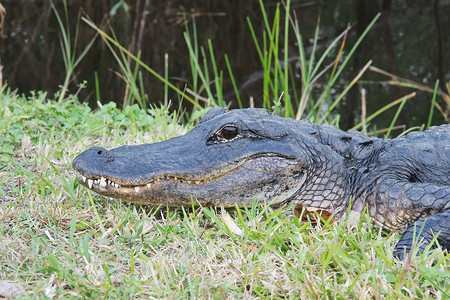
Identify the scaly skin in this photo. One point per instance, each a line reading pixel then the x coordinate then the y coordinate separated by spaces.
pixel 234 157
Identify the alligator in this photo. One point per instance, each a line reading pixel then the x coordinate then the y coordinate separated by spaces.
pixel 232 158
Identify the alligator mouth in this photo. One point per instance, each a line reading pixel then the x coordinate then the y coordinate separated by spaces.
pixel 104 183
pixel 264 177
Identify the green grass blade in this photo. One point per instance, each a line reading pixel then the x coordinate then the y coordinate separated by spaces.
pixel 233 82
pixel 383 109
pixel 394 119
pixel 203 77
pixel 433 101
pixel 166 78
pixel 217 80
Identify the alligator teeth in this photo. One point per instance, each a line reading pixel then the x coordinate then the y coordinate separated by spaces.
pixel 107 183
pixel 103 182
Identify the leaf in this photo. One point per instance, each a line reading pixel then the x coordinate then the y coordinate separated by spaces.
pixel 231 224
pixel 315 215
pixel 10 289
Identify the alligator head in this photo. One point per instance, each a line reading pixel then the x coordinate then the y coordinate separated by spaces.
pixel 232 158
pixel 228 158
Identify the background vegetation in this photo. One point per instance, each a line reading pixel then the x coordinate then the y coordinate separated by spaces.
pixel 417 51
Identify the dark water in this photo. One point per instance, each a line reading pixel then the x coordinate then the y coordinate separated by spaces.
pixel 410 40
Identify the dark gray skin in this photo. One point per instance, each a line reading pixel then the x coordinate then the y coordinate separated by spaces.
pixel 235 157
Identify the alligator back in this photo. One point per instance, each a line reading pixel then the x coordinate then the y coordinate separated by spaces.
pixel 420 156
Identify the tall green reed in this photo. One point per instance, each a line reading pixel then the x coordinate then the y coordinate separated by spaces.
pixel 69 46
pixel 308 97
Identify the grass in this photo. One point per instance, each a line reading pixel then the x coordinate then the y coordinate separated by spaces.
pixel 59 240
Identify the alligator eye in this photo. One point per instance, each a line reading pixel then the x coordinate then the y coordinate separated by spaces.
pixel 227 133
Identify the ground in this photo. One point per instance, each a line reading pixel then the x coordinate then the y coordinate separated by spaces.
pixel 59 240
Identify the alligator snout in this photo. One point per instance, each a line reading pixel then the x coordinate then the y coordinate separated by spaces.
pixel 97 152
pixel 96 156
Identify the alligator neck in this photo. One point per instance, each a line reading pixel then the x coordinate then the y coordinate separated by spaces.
pixel 342 169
